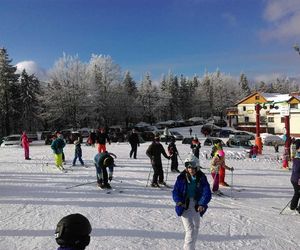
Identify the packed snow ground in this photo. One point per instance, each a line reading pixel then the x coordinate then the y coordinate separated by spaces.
pixel 34 197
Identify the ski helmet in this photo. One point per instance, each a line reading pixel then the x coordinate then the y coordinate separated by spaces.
pixel 108 161
pixel 73 231
pixel 189 163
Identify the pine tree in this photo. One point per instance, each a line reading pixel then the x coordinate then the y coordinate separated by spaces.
pixel 30 92
pixel 244 86
pixel 8 86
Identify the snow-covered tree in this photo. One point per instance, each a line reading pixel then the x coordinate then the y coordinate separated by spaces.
pixel 29 99
pixel 8 92
pixel 148 99
pixel 65 97
pixel 103 76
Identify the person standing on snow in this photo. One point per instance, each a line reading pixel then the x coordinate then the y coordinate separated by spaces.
pixel 295 178
pixel 57 146
pixel 25 145
pixel 134 141
pixel 103 161
pixel 154 152
pixel 173 152
pixel 78 153
pixel 102 138
pixel 195 146
pixel 217 162
pixel 73 232
pixel 191 194
pixel 191 131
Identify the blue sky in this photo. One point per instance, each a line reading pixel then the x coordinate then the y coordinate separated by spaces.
pixel 255 37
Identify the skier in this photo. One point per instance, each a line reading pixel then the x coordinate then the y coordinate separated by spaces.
pixel 102 138
pixel 73 232
pixel 195 146
pixel 57 146
pixel 295 178
pixel 191 194
pixel 173 152
pixel 102 161
pixel 218 146
pixel 78 153
pixel 154 152
pixel 191 131
pixel 218 161
pixel 25 145
pixel 134 143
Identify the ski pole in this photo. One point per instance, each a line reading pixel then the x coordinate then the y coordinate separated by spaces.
pixel 180 159
pixel 148 177
pixel 231 189
pixel 285 206
pixel 167 171
pixel 81 184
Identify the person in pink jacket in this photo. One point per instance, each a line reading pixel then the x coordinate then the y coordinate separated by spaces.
pixel 25 145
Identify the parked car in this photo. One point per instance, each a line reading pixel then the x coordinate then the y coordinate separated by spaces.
pixel 187 140
pixel 239 143
pixel 243 135
pixel 45 134
pixel 212 141
pixel 174 134
pixel 11 140
pixel 208 128
pixel 271 140
pixel 147 135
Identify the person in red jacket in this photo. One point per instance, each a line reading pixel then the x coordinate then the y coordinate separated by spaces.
pixel 25 145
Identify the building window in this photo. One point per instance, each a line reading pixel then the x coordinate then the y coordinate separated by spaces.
pixel 282 120
pixel 270 119
pixel 244 108
pixel 257 97
pixel 246 119
pixel 294 105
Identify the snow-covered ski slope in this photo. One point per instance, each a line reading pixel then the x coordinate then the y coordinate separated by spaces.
pixel 34 196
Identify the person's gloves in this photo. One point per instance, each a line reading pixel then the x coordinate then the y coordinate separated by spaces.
pixel 231 169
pixel 180 204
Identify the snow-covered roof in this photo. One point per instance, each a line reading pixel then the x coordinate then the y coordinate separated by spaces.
pixel 275 97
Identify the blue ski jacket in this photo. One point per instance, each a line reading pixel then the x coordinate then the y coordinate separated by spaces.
pixel 180 195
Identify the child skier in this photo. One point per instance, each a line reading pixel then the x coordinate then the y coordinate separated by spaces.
pixel 57 146
pixel 78 153
pixel 173 152
pixel 218 161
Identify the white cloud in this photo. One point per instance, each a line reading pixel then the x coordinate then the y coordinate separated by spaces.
pixel 31 67
pixel 283 18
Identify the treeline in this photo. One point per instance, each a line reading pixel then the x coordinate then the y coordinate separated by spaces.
pixel 98 93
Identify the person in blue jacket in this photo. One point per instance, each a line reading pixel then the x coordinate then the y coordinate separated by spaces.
pixel 295 179
pixel 102 162
pixel 57 146
pixel 191 194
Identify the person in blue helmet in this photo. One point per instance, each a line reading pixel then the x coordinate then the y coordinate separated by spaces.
pixel 191 193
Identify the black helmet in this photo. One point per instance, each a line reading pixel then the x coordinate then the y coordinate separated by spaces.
pixel 73 231
pixel 108 161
